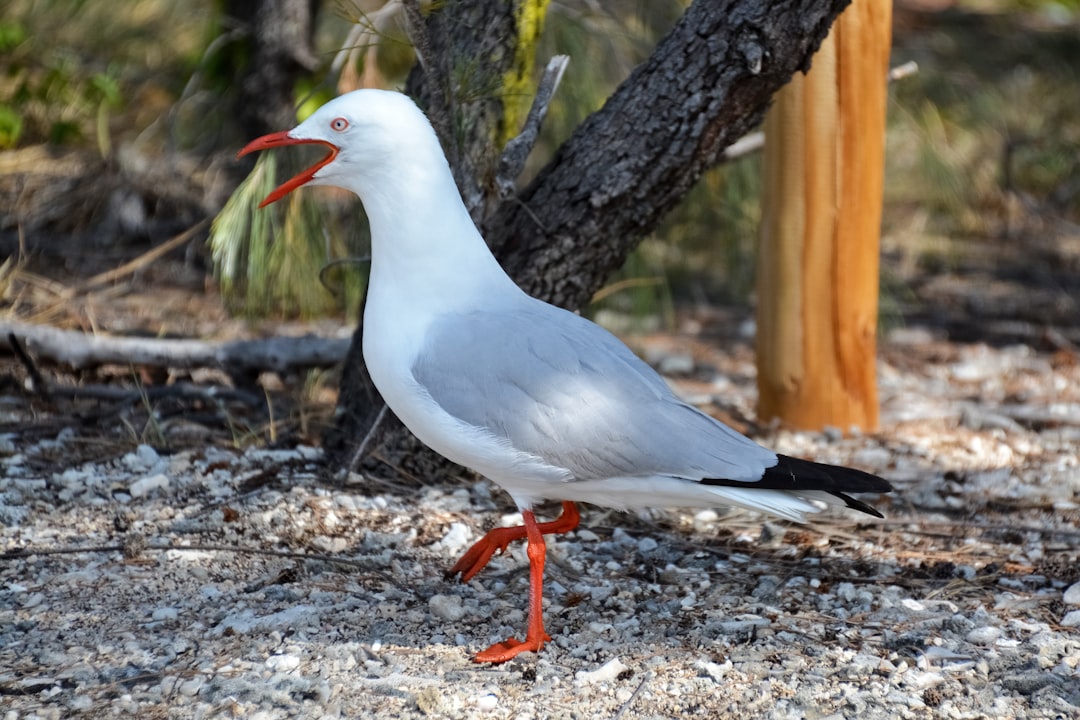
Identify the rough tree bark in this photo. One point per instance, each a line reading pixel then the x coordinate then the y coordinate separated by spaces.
pixel 463 94
pixel 708 82
pixel 274 52
pixel 461 97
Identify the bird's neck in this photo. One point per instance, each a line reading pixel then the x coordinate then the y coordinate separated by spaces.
pixel 423 241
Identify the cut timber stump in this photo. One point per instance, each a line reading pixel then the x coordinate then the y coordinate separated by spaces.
pixel 817 284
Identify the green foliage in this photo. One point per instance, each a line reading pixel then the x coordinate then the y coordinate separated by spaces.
pixel 11 126
pixel 69 69
pixel 309 98
pixel 104 87
pixel 12 34
pixel 705 247
pixel 268 261
pixel 974 129
pixel 970 133
pixel 605 41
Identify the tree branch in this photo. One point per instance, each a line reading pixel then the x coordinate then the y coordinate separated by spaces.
pixel 79 350
pixel 517 150
pixel 707 84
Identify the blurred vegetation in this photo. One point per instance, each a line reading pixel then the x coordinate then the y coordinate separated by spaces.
pixel 282 267
pixel 983 146
pixel 79 72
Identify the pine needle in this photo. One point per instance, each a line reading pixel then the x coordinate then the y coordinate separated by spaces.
pixel 267 261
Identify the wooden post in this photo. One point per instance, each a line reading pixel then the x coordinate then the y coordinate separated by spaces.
pixel 817 282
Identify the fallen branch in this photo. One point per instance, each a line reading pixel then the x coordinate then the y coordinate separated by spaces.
pixel 135 265
pixel 156 392
pixel 39 384
pixel 80 351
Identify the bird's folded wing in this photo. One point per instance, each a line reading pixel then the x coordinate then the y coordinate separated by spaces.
pixel 559 387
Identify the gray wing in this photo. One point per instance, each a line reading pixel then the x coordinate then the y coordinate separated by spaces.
pixel 564 389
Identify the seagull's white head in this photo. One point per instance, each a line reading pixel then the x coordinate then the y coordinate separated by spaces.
pixel 362 129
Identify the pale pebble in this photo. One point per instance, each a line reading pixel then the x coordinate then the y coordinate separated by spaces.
pixel 447 607
pixel 191 687
pixel 455 539
pixel 913 605
pixel 984 635
pixel 647 545
pixel 145 486
pixel 164 613
pixel 285 662
pixel 606 672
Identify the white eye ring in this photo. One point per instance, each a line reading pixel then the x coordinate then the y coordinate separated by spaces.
pixel 339 124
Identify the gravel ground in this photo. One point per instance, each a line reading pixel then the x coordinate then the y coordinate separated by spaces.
pixel 217 582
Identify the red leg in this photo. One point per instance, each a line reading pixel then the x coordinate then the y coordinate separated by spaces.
pixel 474 560
pixel 479 554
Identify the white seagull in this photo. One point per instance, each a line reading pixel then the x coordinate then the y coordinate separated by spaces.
pixel 542 401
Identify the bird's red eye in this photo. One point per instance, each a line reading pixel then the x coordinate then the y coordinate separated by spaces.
pixel 339 124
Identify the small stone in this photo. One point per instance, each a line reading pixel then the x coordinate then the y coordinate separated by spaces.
pixel 164 613
pixel 606 672
pixel 144 458
pixel 913 605
pixel 965 572
pixel 82 703
pixel 1072 594
pixel 455 539
pixel 285 662
pixel 146 485
pixel 487 703
pixel 191 687
pixel 984 635
pixel 429 701
pixel 446 607
pixel 705 520
pixel 872 457
pixel 33 600
pixel 676 364
pixel 329 545
pixel 1071 619
pixel 647 545
pixel 716 671
pixel 862 665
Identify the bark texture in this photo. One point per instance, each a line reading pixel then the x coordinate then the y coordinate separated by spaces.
pixel 465 48
pixel 275 53
pixel 708 82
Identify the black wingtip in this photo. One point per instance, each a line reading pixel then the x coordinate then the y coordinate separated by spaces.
pixel 809 475
pixel 858 505
pixel 795 474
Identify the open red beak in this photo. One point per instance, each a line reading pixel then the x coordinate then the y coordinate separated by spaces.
pixel 281 139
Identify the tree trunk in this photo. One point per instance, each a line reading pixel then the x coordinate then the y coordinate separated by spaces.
pixel 707 83
pixel 275 52
pixel 818 264
pixel 459 95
